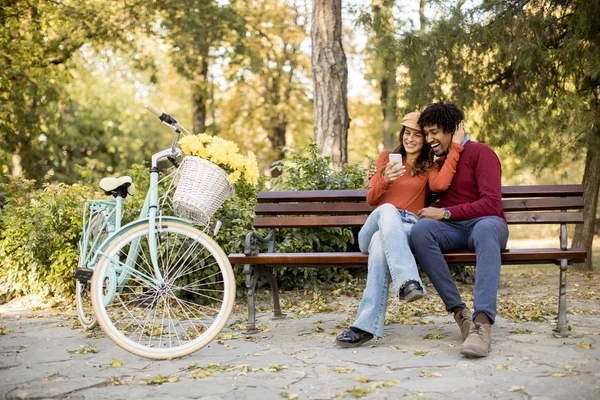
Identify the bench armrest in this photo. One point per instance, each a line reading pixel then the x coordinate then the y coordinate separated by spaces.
pixel 253 240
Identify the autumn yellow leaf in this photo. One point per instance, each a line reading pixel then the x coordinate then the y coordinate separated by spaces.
pixel 116 363
pixel 291 396
pixel 434 336
pixel 358 392
pixel 559 375
pixel 584 345
pixel 516 388
pixel 364 379
pixel 341 370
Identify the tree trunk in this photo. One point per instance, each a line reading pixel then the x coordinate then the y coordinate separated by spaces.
pixel 584 234
pixel 389 107
pixel 422 18
pixel 277 138
pixel 330 79
pixel 199 99
pixel 389 88
pixel 17 168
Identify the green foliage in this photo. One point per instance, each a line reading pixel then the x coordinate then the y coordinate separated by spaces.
pixel 37 43
pixel 313 172
pixel 237 214
pixel 39 238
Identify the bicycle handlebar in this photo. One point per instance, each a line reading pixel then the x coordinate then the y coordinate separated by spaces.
pixel 171 123
pixel 164 117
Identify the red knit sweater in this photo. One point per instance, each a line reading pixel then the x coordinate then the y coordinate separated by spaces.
pixel 476 190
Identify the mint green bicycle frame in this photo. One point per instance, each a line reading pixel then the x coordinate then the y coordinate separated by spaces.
pixel 149 214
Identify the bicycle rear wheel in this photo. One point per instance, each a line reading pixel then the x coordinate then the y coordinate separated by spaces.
pixel 168 318
pixel 98 231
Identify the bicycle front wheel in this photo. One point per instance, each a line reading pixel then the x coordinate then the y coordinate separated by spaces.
pixel 168 316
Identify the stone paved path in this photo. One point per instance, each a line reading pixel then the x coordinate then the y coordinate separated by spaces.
pixel 297 358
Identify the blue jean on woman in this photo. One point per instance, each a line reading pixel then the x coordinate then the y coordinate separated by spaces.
pixel 386 236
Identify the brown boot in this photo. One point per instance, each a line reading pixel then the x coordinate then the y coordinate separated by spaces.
pixel 463 319
pixel 479 341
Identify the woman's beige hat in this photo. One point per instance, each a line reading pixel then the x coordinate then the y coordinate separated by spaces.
pixel 411 120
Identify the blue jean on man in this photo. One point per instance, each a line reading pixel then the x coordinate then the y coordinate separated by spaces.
pixel 485 235
pixel 385 235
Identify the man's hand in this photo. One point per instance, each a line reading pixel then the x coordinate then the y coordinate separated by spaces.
pixel 431 213
pixel 459 134
pixel 372 171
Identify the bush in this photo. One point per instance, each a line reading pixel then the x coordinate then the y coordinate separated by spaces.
pixel 313 172
pixel 39 238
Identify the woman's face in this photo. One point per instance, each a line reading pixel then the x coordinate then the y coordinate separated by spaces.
pixel 413 141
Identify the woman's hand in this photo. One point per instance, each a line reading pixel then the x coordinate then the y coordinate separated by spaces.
pixel 393 171
pixel 459 134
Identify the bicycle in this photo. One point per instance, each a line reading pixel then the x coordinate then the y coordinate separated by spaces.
pixel 159 287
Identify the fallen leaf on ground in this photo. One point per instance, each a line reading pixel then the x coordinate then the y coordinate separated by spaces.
pixel 516 388
pixel 116 363
pixel 85 350
pixel 584 345
pixel 358 392
pixel 434 336
pixel 159 379
pixel 341 370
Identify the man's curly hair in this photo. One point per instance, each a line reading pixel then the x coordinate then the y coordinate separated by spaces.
pixel 445 115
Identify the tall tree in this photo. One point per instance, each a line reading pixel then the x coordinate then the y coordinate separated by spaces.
pixel 533 67
pixel 193 27
pixel 387 65
pixel 37 42
pixel 270 92
pixel 330 79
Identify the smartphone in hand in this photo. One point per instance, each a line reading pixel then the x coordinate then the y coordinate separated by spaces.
pixel 396 157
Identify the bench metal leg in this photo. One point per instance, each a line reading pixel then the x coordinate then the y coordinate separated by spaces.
pixel 562 329
pixel 271 274
pixel 251 280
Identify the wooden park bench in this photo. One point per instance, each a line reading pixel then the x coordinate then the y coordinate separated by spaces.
pixel 523 205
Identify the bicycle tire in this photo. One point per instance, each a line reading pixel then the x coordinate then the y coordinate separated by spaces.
pixel 83 299
pixel 170 319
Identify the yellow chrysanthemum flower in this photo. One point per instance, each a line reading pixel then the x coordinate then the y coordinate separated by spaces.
pixel 234 177
pixel 251 169
pixel 223 153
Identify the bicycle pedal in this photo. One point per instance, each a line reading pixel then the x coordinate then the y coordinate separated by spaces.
pixel 83 275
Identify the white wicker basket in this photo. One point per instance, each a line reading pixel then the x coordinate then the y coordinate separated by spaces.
pixel 201 190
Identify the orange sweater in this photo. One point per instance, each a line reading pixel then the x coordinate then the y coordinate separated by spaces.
pixel 408 192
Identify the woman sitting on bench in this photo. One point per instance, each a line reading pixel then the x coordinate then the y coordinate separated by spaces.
pixel 398 190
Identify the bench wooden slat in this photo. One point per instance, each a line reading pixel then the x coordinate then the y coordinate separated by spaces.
pixel 313 208
pixel 559 203
pixel 544 218
pixel 325 221
pixel 512 192
pixel 357 259
pixel 567 203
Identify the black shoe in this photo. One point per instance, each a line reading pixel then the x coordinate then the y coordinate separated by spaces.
pixel 353 337
pixel 411 291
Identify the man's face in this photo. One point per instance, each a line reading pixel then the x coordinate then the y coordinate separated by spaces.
pixel 439 141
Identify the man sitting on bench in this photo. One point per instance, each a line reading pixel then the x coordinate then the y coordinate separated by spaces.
pixel 470 217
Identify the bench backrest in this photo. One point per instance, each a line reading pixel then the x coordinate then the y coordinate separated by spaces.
pixel 539 204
